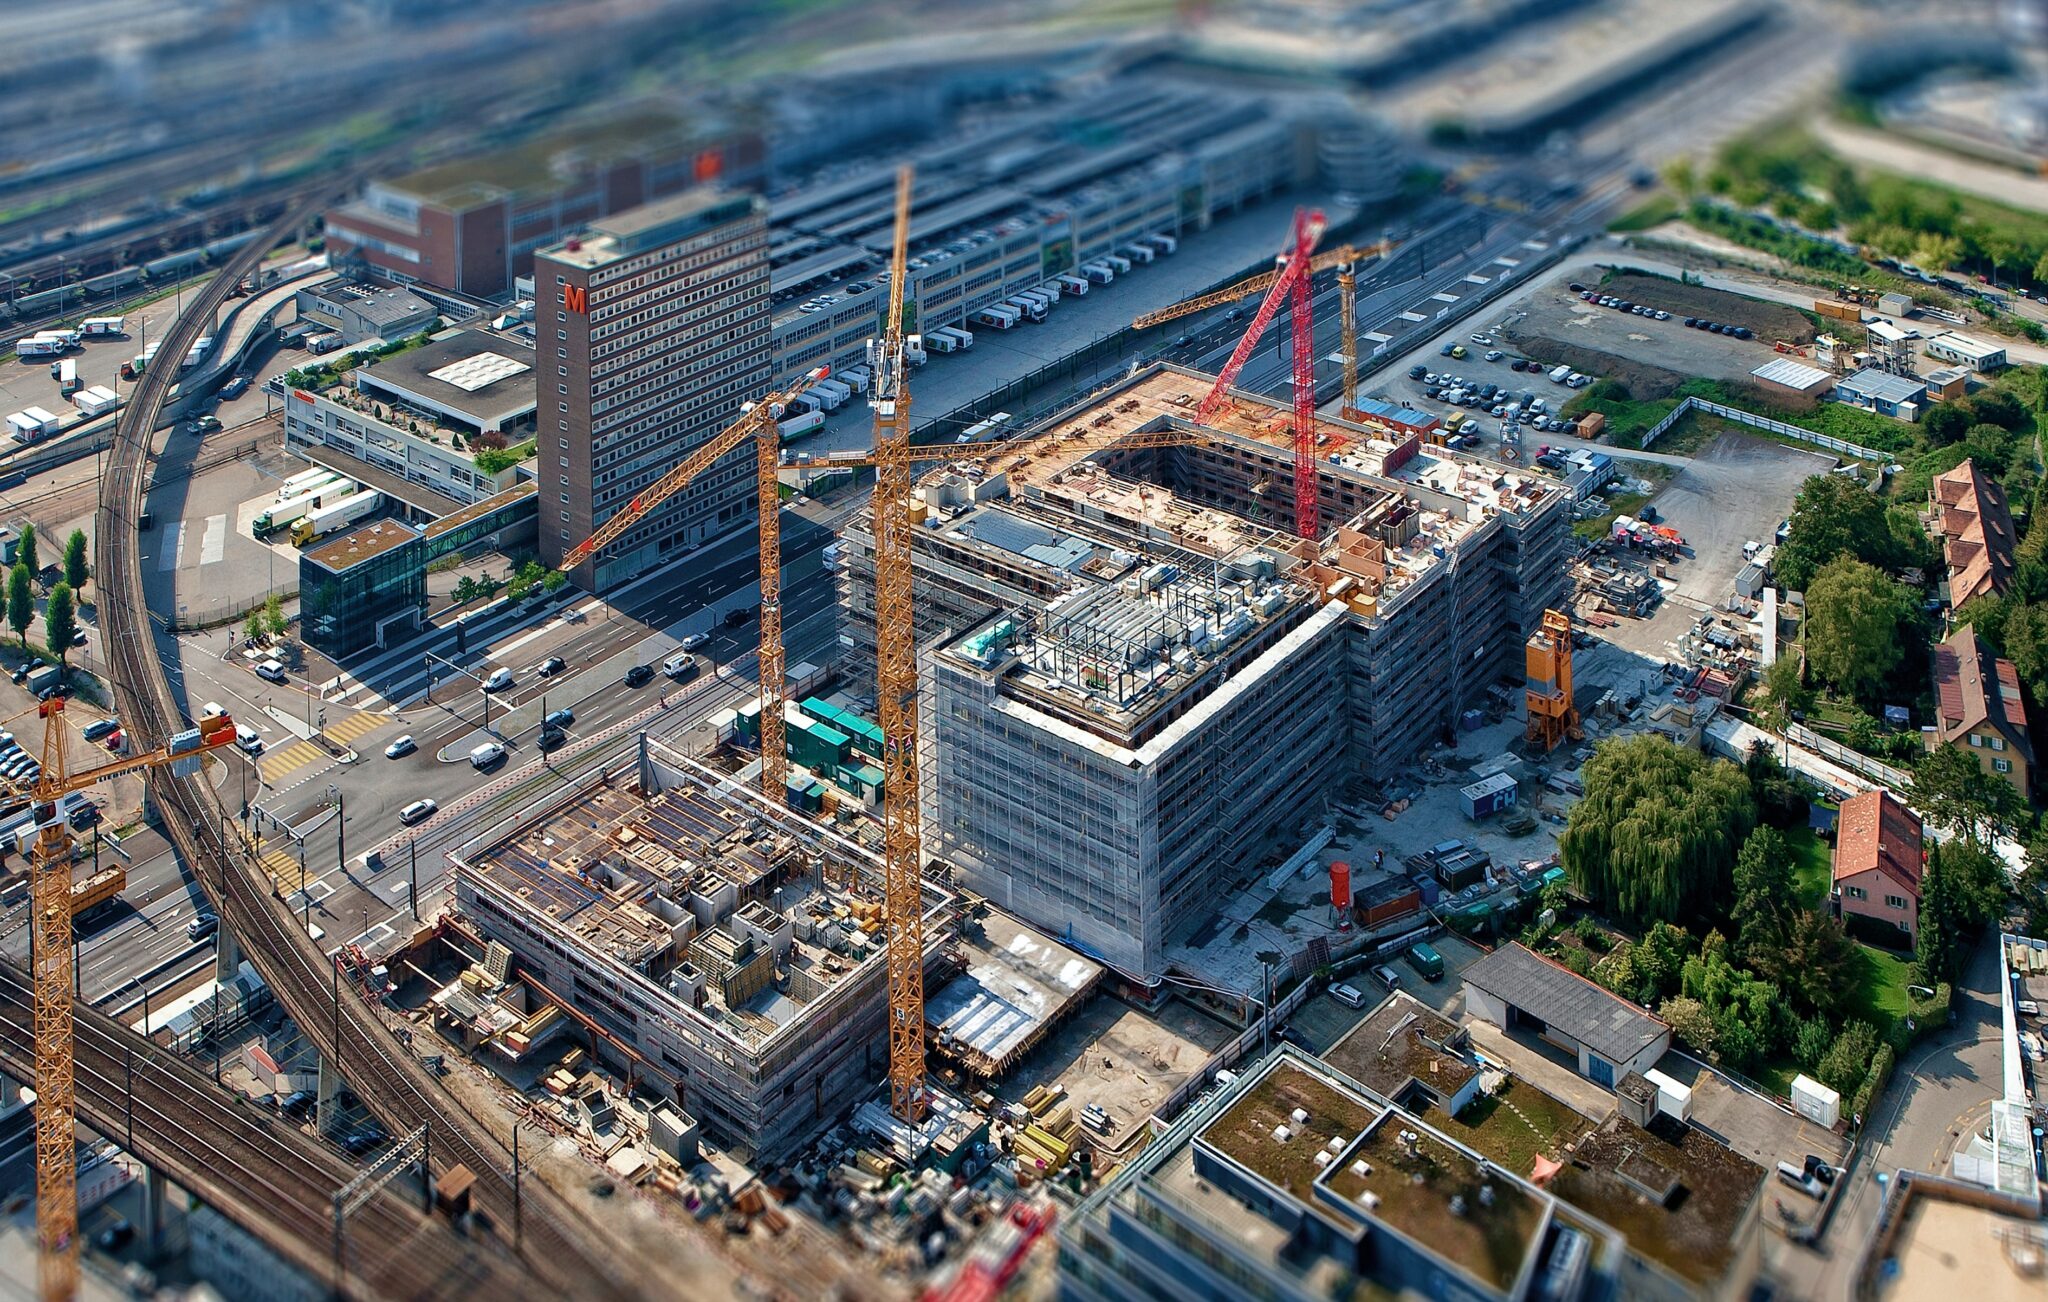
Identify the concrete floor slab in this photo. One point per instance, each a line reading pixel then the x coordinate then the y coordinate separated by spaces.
pixel 1121 1058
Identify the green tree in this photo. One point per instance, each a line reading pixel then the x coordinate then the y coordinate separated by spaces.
pixel 77 568
pixel 60 620
pixel 1858 625
pixel 1938 942
pixel 1944 423
pixel 1690 1023
pixel 1937 253
pixel 553 582
pixel 1784 694
pixel 2032 887
pixel 1656 831
pixel 465 590
pixel 25 550
pixel 2041 270
pixel 1831 518
pixel 21 602
pixel 2025 642
pixel 1809 957
pixel 1779 800
pixel 252 627
pixel 1953 790
pixel 274 622
pixel 1811 1041
pixel 1977 879
pixel 1843 1066
pixel 1763 890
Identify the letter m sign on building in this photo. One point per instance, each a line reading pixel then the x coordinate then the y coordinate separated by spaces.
pixel 577 299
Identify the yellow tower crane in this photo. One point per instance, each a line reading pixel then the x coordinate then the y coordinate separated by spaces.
pixel 50 901
pixel 760 421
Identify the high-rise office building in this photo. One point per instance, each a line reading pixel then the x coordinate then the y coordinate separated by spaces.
pixel 652 331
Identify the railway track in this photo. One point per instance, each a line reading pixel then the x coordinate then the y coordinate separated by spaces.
pixel 258 1171
pixel 566 1254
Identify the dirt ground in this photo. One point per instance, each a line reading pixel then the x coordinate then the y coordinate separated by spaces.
pixel 1769 320
pixel 1645 381
pixel 1121 1059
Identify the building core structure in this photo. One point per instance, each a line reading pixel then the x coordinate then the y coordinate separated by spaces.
pixel 733 945
pixel 1134 673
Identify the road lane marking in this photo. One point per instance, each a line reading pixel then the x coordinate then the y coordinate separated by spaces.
pixel 214 544
pixel 173 553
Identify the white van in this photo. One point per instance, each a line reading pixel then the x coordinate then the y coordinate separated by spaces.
pixel 1348 995
pixel 1560 375
pixel 246 738
pixel 486 755
pixel 679 664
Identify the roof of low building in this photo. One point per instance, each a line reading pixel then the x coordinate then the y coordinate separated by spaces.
pixel 1977 532
pixel 1876 831
pixel 1607 1024
pixel 1974 689
pixel 1792 374
pixel 485 379
pixel 1883 386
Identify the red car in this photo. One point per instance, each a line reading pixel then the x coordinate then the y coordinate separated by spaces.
pixel 113 741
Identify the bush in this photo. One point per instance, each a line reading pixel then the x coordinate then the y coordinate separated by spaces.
pixel 1848 1058
pixel 1811 1042
pixel 1690 1023
pixel 1873 1084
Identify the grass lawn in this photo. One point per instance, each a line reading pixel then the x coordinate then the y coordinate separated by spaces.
pixel 1813 866
pixel 1881 997
pixel 1654 211
pixel 1513 1135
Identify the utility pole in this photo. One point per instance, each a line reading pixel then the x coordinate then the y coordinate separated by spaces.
pixel 518 1204
pixel 412 848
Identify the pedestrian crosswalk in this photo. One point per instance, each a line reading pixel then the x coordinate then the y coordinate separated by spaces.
pixel 281 864
pixel 286 760
pixel 276 764
pixel 355 725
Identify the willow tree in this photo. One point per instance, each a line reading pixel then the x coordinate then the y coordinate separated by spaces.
pixel 1656 835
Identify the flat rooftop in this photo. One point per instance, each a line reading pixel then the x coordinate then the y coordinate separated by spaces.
pixel 1441 1196
pixel 1674 1191
pixel 1245 1133
pixel 743 913
pixel 1018 984
pixel 485 380
pixel 1404 1040
pixel 654 225
pixel 1610 1026
pixel 360 545
pixel 1945 1250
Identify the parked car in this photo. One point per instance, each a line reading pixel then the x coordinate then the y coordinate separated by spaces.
pixel 99 728
pixel 418 811
pixel 1348 995
pixel 1387 976
pixel 639 675
pixel 115 1236
pixel 401 746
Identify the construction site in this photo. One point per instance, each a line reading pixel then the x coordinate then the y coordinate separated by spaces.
pixel 1139 673
pixel 725 946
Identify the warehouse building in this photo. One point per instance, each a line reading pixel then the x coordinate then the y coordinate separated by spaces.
pixel 1784 377
pixel 359 311
pixel 1136 674
pixel 1608 1037
pixel 1019 204
pixel 734 946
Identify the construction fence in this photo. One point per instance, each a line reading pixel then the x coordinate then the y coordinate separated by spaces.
pixel 1855 761
pixel 1765 423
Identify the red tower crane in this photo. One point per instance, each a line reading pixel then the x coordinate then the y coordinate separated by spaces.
pixel 1291 286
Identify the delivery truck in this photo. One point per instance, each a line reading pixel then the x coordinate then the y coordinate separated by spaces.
pixel 297 507
pixel 103 327
pixel 65 373
pixel 333 519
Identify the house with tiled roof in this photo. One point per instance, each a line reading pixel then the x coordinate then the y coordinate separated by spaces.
pixel 1977 706
pixel 1967 509
pixel 1878 861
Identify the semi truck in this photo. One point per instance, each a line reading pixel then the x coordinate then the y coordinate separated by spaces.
pixel 65 373
pixel 1164 243
pixel 997 317
pixel 834 387
pixel 304 481
pixel 331 519
pixel 801 425
pixel 40 345
pixel 913 350
pixel 103 327
pixel 295 508
pixel 828 399
pixel 1072 284
pixel 1099 272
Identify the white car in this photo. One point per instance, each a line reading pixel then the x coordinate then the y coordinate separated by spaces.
pixel 402 746
pixel 270 671
pixel 417 811
pixel 692 641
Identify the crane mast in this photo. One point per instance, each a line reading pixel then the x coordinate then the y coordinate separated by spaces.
pixel 51 932
pixel 896 692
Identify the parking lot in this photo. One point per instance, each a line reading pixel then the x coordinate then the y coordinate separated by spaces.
pixel 1670 346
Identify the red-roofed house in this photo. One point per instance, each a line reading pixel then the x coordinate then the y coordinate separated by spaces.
pixel 1969 511
pixel 1878 860
pixel 1978 707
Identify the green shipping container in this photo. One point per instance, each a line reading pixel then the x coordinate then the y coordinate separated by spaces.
pixel 749 722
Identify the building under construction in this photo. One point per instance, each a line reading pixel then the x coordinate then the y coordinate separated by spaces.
pixel 1134 674
pixel 729 949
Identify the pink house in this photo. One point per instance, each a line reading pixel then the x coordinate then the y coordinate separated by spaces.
pixel 1877 861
